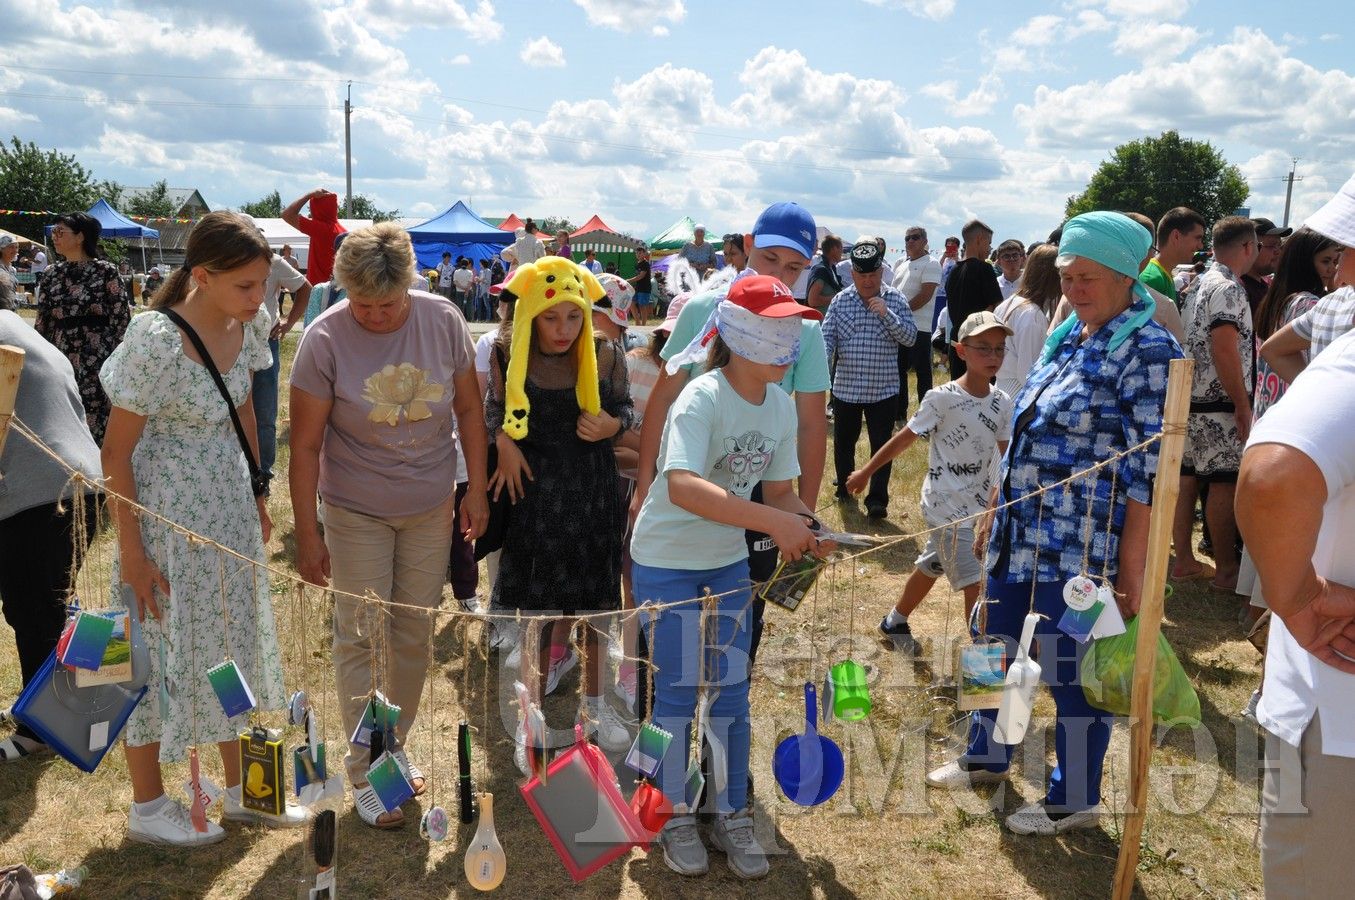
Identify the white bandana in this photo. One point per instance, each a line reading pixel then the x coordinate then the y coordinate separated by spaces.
pixel 759 339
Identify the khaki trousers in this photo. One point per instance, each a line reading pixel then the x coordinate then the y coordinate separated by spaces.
pixel 1306 802
pixel 403 560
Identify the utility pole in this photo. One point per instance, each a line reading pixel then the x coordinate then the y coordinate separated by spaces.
pixel 347 155
pixel 1289 189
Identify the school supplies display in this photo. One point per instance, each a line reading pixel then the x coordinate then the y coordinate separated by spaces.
pixel 80 724
pixel 1018 690
pixel 808 767
pixel 1107 677
pixel 982 668
pixel 378 715
pixel 485 863
pixel 84 641
pixel 791 582
pixel 231 688
pixel 580 808
pixel 261 771
pixel 116 665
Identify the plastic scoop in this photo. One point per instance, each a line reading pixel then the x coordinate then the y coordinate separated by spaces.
pixel 808 766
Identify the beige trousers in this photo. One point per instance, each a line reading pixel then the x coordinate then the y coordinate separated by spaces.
pixel 1306 802
pixel 403 560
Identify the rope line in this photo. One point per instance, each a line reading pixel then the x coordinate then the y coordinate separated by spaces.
pixel 78 478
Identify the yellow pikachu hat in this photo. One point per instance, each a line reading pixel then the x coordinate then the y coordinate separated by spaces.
pixel 538 286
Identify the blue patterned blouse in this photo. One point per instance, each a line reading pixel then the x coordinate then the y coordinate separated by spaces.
pixel 1082 406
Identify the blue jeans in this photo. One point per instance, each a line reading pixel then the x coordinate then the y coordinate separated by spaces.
pixel 675 650
pixel 1082 732
pixel 265 393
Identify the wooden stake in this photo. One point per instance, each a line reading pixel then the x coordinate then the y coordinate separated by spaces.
pixel 11 368
pixel 1165 490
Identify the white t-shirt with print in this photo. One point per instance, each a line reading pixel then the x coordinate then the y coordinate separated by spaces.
pixel 909 278
pixel 963 432
pixel 728 441
pixel 1317 417
pixel 280 275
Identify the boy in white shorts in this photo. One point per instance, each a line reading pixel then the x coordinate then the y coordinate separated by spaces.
pixel 966 421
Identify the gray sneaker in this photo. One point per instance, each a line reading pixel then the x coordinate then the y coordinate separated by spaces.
pixel 682 848
pixel 734 835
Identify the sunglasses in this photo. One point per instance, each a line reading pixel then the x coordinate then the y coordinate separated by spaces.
pixel 912 237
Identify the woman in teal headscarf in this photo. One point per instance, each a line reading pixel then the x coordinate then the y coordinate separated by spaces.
pixel 1097 390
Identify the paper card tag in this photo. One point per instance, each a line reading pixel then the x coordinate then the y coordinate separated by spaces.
pixel 389 782
pixel 210 791
pixel 98 736
pixel 88 641
pixel 231 689
pixel 792 581
pixel 1110 622
pixel 651 743
pixel 1078 623
pixel 1079 593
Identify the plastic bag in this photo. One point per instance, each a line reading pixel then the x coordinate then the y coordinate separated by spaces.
pixel 1108 679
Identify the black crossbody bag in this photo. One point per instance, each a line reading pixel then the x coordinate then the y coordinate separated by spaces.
pixel 258 482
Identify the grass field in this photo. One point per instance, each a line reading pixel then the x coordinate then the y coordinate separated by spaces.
pixel 883 835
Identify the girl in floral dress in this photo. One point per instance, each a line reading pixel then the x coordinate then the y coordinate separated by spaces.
pixel 171 446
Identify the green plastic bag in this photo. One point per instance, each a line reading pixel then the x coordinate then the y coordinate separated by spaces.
pixel 1108 679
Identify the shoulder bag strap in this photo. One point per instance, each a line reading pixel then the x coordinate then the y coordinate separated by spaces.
pixel 256 477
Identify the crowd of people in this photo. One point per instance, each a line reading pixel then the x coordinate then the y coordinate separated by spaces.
pixel 596 473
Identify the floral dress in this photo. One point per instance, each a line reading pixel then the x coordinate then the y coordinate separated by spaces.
pixel 190 469
pixel 83 311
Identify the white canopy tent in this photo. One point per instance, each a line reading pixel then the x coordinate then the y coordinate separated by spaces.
pixel 279 233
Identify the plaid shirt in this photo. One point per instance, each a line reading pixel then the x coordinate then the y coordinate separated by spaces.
pixel 867 345
pixel 1332 317
pixel 1083 406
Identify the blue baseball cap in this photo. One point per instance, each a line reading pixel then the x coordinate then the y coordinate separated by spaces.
pixel 786 225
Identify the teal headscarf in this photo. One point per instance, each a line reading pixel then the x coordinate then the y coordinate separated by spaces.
pixel 1118 243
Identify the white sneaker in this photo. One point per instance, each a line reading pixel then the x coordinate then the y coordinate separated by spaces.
pixel 558 670
pixel 952 777
pixel 291 816
pixel 626 689
pixel 613 736
pixel 1249 711
pixel 170 826
pixel 1034 819
pixel 470 604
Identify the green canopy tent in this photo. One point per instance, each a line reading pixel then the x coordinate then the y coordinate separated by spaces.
pixel 674 237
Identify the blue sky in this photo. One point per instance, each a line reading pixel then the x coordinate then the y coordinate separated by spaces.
pixel 882 114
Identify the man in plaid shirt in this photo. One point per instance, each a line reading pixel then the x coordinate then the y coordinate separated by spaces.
pixel 864 327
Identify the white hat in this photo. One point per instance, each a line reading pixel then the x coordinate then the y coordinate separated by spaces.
pixel 6 240
pixel 616 305
pixel 1336 219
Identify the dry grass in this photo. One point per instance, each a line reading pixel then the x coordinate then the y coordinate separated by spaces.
pixel 883 835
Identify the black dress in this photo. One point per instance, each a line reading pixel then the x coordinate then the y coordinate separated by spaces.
pixel 562 549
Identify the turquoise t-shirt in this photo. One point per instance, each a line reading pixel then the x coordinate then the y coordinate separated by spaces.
pixel 728 441
pixel 809 373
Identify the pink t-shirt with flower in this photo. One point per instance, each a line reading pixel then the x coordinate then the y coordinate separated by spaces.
pixel 389 449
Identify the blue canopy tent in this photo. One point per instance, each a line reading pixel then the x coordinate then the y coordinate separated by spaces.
pixel 116 226
pixel 457 231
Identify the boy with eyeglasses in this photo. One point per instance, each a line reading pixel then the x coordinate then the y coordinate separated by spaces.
pixel 967 423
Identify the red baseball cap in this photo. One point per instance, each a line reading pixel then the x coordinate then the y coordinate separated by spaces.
pixel 768 296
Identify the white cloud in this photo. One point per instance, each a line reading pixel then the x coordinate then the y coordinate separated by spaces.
pixel 1040 31
pixel 1329 37
pixel 399 16
pixel 1155 41
pixel 461 59
pixel 1141 10
pixel 631 15
pixel 936 10
pixel 659 31
pixel 542 52
pixel 980 101
pixel 1245 88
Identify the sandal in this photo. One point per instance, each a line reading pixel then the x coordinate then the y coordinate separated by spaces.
pixel 16 747
pixel 370 809
pixel 1205 571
